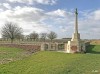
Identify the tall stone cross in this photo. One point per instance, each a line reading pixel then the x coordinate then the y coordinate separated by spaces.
pixel 76 21
pixel 76 35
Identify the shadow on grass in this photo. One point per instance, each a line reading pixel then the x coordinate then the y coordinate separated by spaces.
pixel 92 49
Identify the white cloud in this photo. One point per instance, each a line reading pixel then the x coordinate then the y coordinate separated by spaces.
pixel 46 2
pixel 29 18
pixel 97 15
pixel 57 13
pixel 6 5
pixel 1 10
pixel 89 25
pixel 21 1
pixel 27 14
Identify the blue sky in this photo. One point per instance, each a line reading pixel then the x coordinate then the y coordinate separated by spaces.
pixel 71 4
pixel 53 15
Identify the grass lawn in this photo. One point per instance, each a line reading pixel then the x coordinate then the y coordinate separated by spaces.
pixel 49 62
pixel 8 54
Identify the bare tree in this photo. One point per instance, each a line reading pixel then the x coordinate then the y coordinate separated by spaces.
pixel 20 37
pixel 11 30
pixel 43 36
pixel 52 35
pixel 34 36
pixel 27 37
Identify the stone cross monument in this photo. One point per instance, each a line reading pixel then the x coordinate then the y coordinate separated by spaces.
pixel 76 35
pixel 75 45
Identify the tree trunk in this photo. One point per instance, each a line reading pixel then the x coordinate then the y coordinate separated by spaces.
pixel 51 40
pixel 12 41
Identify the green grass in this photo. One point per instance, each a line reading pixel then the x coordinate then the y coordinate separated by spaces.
pixel 95 49
pixel 8 54
pixel 49 62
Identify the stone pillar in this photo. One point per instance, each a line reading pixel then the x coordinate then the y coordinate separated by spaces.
pixel 49 46
pixel 65 46
pixel 56 46
pixel 76 35
pixel 76 21
pixel 42 46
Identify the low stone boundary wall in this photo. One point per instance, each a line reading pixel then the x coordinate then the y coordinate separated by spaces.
pixel 29 47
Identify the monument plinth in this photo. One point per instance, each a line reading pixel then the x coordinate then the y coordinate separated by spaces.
pixel 75 45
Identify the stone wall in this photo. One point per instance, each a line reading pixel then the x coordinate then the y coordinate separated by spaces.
pixel 29 47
